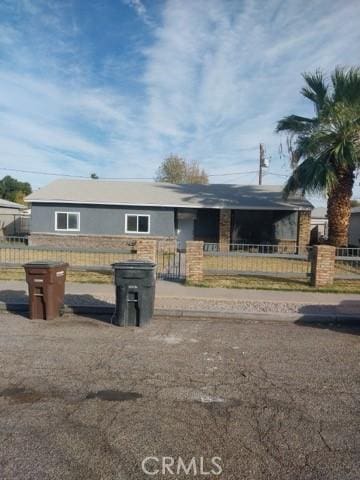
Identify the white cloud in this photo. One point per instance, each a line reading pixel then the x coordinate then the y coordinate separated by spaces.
pixel 216 77
pixel 140 10
pixel 221 74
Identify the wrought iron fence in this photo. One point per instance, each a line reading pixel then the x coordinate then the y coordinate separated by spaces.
pixel 290 261
pixel 347 263
pixel 15 251
pixel 290 248
pixel 170 260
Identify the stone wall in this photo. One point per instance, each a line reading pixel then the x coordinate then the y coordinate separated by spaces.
pixel 82 241
pixel 323 265
pixel 194 261
pixel 146 250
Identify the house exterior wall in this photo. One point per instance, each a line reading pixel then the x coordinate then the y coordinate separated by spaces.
pixel 354 229
pixel 102 220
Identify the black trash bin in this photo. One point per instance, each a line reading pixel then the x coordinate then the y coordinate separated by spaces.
pixel 135 292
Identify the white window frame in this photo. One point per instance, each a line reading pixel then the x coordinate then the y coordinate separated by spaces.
pixel 67 222
pixel 137 215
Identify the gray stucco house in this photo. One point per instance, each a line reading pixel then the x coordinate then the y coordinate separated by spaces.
pixel 69 211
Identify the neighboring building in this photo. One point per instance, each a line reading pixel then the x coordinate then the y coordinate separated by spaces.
pixel 13 219
pixel 319 225
pixel 354 227
pixel 68 212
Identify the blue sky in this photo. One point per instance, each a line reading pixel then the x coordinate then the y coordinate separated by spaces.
pixel 114 86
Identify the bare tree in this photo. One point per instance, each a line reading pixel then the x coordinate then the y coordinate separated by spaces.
pixel 175 169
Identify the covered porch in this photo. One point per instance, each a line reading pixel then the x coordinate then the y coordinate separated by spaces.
pixel 248 226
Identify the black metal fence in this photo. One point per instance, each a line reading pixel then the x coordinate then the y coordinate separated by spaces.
pixel 258 260
pixel 170 260
pixel 15 251
pixel 347 263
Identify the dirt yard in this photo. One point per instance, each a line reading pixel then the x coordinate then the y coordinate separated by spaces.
pixel 82 399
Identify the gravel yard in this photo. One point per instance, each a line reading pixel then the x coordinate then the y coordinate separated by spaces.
pixel 81 399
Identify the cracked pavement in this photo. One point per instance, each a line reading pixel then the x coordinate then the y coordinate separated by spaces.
pixel 81 399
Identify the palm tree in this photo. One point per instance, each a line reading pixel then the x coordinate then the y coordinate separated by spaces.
pixel 325 149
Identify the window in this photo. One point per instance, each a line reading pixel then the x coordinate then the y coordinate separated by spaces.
pixel 67 221
pixel 137 223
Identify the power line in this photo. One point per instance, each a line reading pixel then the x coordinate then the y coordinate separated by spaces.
pixel 35 172
pixel 277 174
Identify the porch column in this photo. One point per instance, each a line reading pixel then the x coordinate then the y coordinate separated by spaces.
pixel 224 230
pixel 303 233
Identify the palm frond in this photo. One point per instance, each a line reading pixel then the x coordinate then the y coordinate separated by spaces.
pixel 346 85
pixel 316 89
pixel 295 124
pixel 313 175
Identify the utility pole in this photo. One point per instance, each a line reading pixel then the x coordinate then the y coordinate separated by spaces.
pixel 261 162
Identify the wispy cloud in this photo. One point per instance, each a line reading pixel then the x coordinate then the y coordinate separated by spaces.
pixel 140 10
pixel 210 84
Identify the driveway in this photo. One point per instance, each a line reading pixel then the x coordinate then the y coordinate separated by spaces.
pixel 81 399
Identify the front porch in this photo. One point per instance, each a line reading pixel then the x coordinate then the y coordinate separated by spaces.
pixel 256 227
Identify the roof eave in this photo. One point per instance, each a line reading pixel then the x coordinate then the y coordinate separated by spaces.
pixel 217 207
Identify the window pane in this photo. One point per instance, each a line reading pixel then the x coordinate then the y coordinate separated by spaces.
pixel 143 224
pixel 73 221
pixel 131 223
pixel 61 221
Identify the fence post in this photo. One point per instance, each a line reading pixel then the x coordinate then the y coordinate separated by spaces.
pixel 323 265
pixel 146 249
pixel 194 261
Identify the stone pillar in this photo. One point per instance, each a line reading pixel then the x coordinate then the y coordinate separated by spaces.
pixel 194 261
pixel 224 230
pixel 146 249
pixel 323 265
pixel 304 228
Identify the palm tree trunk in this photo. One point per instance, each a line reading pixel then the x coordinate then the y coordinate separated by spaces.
pixel 339 209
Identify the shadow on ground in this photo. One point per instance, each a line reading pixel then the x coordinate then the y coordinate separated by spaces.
pixel 100 309
pixel 345 320
pixel 17 301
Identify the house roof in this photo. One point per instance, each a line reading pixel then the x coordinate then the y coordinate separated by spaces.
pixel 7 204
pixel 103 192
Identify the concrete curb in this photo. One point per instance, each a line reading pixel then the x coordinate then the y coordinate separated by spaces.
pixel 306 318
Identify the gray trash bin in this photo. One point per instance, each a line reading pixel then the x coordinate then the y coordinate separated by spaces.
pixel 135 292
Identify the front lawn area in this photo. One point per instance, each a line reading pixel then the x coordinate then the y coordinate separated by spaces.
pixel 9 274
pixel 275 283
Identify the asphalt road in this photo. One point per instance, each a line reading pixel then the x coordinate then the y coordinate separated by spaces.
pixel 81 399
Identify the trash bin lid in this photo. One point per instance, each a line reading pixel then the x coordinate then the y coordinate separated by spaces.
pixel 44 264
pixel 134 264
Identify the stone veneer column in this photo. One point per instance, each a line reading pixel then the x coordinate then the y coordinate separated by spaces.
pixel 224 230
pixel 194 261
pixel 146 249
pixel 304 227
pixel 323 265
